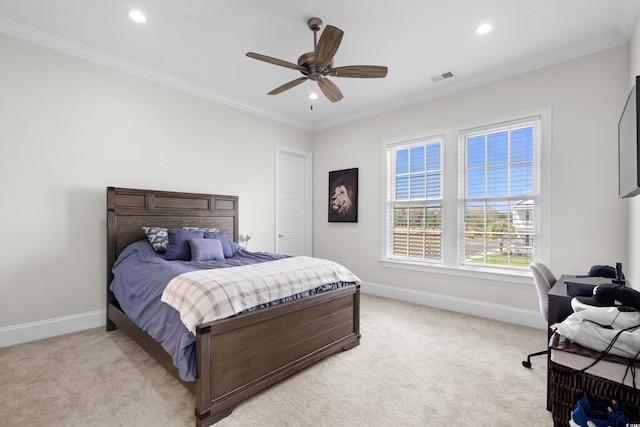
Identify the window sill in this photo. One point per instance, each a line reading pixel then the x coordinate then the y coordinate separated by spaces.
pixel 523 277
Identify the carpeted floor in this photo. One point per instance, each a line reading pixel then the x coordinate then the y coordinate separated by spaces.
pixel 415 366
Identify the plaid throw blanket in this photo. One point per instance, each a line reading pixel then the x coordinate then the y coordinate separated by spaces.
pixel 207 295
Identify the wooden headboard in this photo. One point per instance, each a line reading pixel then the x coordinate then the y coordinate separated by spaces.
pixel 128 210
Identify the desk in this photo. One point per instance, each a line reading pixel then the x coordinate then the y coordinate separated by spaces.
pixel 559 301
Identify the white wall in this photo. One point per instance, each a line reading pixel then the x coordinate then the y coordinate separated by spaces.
pixel 68 129
pixel 588 221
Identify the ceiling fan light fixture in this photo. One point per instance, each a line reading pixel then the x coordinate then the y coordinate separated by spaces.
pixel 312 95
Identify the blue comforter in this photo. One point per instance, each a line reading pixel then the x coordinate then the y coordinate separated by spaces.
pixel 140 276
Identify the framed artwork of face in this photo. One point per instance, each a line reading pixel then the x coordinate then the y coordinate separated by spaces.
pixel 343 195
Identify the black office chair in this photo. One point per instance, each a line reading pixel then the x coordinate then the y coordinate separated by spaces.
pixel 544 280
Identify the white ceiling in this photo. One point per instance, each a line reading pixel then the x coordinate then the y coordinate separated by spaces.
pixel 200 45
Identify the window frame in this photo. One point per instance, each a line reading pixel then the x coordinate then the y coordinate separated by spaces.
pixel 452 199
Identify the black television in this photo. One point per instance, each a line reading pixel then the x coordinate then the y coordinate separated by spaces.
pixel 629 146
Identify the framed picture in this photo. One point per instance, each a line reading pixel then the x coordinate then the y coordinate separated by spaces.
pixel 343 195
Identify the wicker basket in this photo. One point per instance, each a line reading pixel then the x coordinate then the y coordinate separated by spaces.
pixel 568 385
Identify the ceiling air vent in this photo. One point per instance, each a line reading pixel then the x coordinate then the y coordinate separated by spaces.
pixel 442 76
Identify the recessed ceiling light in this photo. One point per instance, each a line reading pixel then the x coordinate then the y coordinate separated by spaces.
pixel 484 28
pixel 137 16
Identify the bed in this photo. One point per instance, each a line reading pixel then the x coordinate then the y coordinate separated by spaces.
pixel 233 360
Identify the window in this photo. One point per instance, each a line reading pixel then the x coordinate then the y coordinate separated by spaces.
pixel 498 199
pixel 415 228
pixel 469 197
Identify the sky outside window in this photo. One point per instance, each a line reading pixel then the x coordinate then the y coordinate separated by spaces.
pixel 418 172
pixel 500 164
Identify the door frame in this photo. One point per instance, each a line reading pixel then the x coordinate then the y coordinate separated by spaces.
pixel 308 163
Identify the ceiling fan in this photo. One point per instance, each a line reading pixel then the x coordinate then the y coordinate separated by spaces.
pixel 318 65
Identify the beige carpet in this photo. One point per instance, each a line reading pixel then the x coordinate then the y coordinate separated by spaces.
pixel 415 366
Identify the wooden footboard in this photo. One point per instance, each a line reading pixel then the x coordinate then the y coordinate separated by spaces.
pixel 241 356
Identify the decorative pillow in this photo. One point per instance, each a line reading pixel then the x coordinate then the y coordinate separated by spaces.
pixel 219 235
pixel 179 248
pixel 158 238
pixel 199 229
pixel 206 249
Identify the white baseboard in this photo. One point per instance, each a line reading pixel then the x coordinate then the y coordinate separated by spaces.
pixel 476 308
pixel 33 331
pixel 18 334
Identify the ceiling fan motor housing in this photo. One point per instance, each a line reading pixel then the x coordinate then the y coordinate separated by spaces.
pixel 308 61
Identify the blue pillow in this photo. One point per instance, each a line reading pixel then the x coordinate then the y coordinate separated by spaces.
pixel 206 249
pixel 179 248
pixel 219 235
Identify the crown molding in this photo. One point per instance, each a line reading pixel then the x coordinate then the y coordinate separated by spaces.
pixel 71 48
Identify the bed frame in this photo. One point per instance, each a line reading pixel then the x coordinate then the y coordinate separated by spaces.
pixel 242 355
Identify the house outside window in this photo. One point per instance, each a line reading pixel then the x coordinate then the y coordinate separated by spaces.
pixel 471 197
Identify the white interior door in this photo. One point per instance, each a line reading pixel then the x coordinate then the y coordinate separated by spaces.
pixel 293 202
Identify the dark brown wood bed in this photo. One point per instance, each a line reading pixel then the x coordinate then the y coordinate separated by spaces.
pixel 233 358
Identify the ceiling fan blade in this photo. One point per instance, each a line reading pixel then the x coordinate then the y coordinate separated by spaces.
pixel 359 71
pixel 275 61
pixel 329 89
pixel 286 86
pixel 327 46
